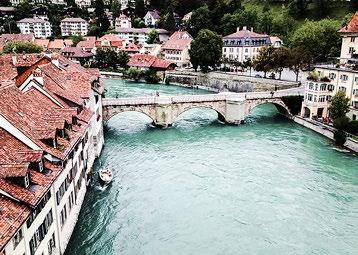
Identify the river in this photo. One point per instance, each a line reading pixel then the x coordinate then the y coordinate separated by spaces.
pixel 267 187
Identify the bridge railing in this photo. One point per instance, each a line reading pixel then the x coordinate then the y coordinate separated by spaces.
pixel 197 98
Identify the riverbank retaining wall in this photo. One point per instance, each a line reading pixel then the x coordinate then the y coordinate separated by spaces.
pixel 329 133
pixel 221 81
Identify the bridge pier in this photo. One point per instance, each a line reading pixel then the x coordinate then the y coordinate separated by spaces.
pixel 235 112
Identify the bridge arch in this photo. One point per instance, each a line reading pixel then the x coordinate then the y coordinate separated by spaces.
pixel 217 107
pixel 278 103
pixel 113 111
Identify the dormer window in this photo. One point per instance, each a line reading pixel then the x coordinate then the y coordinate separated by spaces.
pixel 26 181
pixel 41 166
pixel 74 120
pixel 60 133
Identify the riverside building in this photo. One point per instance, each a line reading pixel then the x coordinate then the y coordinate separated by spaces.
pixel 244 44
pixel 331 79
pixel 51 131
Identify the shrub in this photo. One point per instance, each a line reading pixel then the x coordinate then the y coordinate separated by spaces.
pixel 134 74
pixel 352 127
pixel 151 76
pixel 325 79
pixel 341 123
pixel 312 76
pixel 22 47
pixel 340 137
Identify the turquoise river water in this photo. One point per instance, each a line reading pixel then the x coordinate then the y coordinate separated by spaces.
pixel 267 187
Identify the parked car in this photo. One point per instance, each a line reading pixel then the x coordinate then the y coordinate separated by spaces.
pixel 258 76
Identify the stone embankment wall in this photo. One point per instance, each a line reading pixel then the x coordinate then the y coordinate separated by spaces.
pixel 220 81
pixel 329 133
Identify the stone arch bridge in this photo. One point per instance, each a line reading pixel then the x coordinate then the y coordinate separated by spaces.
pixel 164 110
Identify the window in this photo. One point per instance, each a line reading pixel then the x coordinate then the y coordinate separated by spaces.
pixel 70 201
pixel 353 39
pixel 41 232
pixel 356 79
pixel 26 180
pixel 332 76
pixel 330 87
pixel 355 91
pixel 51 244
pixel 323 87
pixel 63 216
pixel 329 98
pixel 309 97
pixel 354 117
pixel 246 50
pixel 344 89
pixel 17 238
pixel 344 77
pixel 310 85
pixel 351 50
pixel 322 99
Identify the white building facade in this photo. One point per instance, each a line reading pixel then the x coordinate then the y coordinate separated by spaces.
pixel 333 78
pixel 140 35
pixel 40 28
pixel 244 44
pixel 74 26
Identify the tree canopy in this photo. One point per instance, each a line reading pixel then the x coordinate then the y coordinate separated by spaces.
pixel 339 105
pixel 153 37
pixel 22 47
pixel 206 50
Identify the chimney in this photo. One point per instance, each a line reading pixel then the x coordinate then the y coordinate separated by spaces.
pixel 14 60
pixel 252 29
pixel 38 76
pixel 54 59
pixel 244 28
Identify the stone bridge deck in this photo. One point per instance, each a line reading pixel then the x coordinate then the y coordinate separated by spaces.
pixel 231 107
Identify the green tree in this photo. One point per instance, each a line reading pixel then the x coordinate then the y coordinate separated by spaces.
pixel 206 50
pixel 320 39
pixel 298 8
pixel 102 21
pixel 153 37
pixel 123 59
pixel 134 74
pixel 266 22
pixel 151 76
pixel 139 8
pixel 200 19
pixel 263 62
pixel 169 22
pixel 107 58
pixel 115 8
pixel 138 23
pixel 10 27
pixel 22 47
pixel 5 3
pixel 23 10
pixel 298 60
pixel 76 39
pixel 339 105
pixel 280 58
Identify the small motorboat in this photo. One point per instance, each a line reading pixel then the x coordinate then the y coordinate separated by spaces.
pixel 106 175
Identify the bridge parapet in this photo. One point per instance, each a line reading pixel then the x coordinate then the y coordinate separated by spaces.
pixel 231 107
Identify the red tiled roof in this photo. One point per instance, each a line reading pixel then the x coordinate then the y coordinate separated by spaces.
pixel 352 26
pixel 13 215
pixel 113 40
pixel 75 52
pixel 42 42
pixel 148 61
pixel 178 41
pixel 88 43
